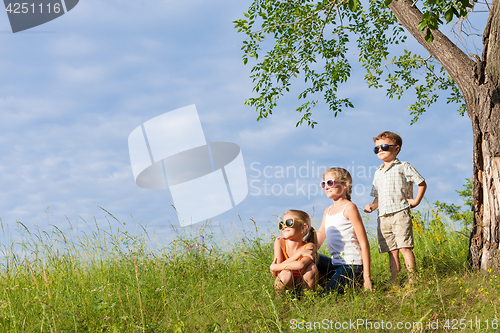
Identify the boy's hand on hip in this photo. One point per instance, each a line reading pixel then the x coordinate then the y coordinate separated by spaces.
pixel 413 203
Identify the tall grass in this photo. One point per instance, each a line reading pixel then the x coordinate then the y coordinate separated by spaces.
pixel 105 280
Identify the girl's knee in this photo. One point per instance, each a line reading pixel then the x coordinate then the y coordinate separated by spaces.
pixel 285 275
pixel 310 271
pixel 284 279
pixel 310 276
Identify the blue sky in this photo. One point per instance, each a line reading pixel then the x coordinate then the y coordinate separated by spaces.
pixel 73 90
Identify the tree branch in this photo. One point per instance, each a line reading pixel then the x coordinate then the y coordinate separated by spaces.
pixel 406 60
pixel 458 65
pixel 326 19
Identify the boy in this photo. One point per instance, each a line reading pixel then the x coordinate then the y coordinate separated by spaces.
pixel 392 188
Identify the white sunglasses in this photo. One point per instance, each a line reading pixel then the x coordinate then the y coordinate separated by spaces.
pixel 330 182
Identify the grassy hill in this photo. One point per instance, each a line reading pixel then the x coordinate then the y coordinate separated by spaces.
pixel 109 281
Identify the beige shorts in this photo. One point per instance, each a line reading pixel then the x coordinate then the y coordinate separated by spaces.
pixel 395 231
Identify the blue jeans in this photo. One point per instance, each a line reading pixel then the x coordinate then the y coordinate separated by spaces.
pixel 338 275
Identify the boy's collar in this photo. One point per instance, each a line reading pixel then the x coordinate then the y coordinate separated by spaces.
pixel 396 161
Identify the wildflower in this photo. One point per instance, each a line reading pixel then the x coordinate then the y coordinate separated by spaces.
pixel 417 227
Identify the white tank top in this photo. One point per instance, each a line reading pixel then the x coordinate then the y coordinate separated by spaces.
pixel 341 240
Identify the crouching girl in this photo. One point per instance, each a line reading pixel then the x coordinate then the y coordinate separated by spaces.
pixel 295 253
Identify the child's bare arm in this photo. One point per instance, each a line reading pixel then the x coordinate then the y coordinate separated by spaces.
pixel 293 263
pixel 278 257
pixel 371 207
pixel 309 251
pixel 352 214
pixel 420 194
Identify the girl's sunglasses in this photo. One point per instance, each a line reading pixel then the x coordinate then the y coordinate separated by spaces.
pixel 384 147
pixel 330 182
pixel 287 223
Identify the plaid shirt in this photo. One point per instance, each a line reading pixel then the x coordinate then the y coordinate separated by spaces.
pixel 394 185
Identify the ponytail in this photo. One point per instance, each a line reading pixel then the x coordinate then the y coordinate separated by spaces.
pixel 310 237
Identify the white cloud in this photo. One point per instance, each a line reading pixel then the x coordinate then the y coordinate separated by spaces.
pixel 22 109
pixel 71 46
pixel 81 74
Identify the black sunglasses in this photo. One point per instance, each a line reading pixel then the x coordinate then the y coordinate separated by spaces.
pixel 384 147
pixel 288 223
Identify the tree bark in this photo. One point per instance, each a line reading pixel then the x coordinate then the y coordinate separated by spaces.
pixel 479 84
pixel 485 116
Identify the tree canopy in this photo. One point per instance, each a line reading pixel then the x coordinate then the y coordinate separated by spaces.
pixel 310 39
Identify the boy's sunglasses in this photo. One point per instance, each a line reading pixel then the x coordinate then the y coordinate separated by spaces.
pixel 330 182
pixel 287 223
pixel 384 147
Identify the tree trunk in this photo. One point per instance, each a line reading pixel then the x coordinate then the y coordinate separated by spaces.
pixel 485 117
pixel 479 84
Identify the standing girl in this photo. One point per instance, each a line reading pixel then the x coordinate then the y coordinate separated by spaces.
pixel 295 252
pixel 345 235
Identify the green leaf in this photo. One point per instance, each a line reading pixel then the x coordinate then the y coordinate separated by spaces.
pixel 449 15
pixel 466 3
pixel 428 36
pixel 422 25
pixel 353 5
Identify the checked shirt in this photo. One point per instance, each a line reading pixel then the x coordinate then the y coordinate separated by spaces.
pixel 394 185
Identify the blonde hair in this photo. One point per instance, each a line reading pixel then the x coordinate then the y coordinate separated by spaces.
pixel 342 174
pixel 310 237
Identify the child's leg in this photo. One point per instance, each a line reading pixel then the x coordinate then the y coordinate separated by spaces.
pixel 404 238
pixel 284 280
pixel 411 266
pixel 342 276
pixel 387 243
pixel 310 276
pixel 394 265
pixel 323 266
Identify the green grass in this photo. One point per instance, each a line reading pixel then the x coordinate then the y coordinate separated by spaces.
pixel 105 280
